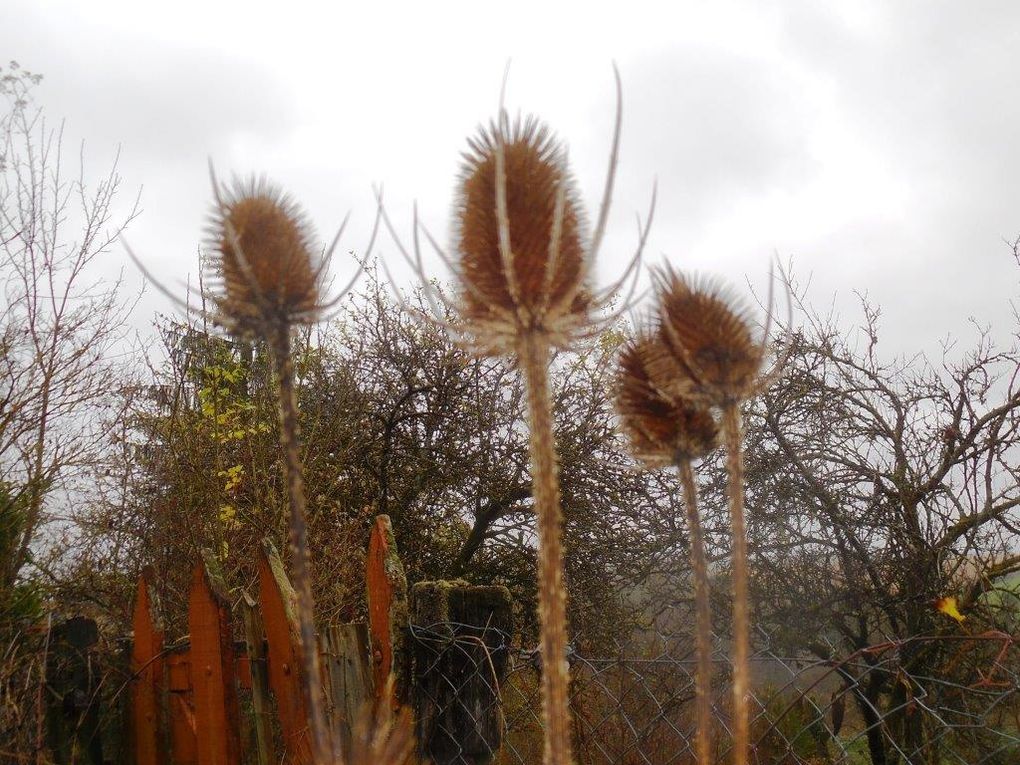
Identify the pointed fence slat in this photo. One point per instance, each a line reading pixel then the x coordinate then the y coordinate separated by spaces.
pixel 213 666
pixel 279 603
pixel 147 670
pixel 386 587
pixel 185 702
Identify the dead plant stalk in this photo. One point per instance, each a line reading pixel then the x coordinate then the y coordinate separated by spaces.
pixel 741 610
pixel 703 614
pixel 534 354
pixel 290 443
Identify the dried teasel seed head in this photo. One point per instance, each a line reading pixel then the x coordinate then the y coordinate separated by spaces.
pixel 711 351
pixel 264 257
pixel 662 429
pixel 544 288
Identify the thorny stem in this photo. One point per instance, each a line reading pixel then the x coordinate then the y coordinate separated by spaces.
pixel 741 617
pixel 289 440
pixel 703 615
pixel 552 595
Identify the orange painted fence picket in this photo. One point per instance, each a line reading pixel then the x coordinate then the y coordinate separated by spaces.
pixel 386 587
pixel 181 703
pixel 147 669
pixel 186 701
pixel 279 601
pixel 213 667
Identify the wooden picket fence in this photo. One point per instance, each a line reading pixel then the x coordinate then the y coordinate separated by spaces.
pixel 215 700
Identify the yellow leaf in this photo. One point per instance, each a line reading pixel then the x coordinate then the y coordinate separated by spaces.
pixel 950 607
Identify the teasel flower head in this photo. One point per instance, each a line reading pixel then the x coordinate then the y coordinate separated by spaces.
pixel 712 355
pixel 662 429
pixel 527 271
pixel 265 259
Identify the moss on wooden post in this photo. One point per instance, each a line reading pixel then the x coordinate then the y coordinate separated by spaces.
pixel 460 641
pixel 279 618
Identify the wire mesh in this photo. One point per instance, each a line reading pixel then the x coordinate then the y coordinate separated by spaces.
pixel 938 700
pixel 457 691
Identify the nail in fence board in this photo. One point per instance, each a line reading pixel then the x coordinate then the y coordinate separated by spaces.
pixel 279 618
pixel 386 587
pixel 147 671
pixel 213 677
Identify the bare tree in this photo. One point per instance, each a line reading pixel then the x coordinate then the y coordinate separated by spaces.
pixel 876 487
pixel 63 318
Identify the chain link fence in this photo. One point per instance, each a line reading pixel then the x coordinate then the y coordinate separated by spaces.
pixel 926 700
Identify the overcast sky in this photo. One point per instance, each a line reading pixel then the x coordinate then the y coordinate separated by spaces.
pixel 877 144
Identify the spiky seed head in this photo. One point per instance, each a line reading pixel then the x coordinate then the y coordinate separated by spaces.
pixel 278 280
pixel 712 354
pixel 546 290
pixel 662 429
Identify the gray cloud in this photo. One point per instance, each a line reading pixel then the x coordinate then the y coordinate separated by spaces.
pixel 764 129
pixel 714 125
pixel 159 100
pixel 931 94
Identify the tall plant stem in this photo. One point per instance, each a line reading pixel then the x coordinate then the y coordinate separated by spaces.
pixel 702 615
pixel 534 355
pixel 741 609
pixel 289 440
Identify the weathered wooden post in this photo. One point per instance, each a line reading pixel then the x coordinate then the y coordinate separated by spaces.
pixel 279 603
pixel 347 662
pixel 147 673
pixel 254 635
pixel 460 637
pixel 386 587
pixel 213 676
pixel 73 714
